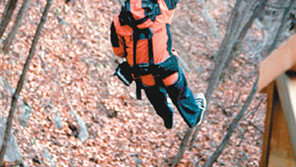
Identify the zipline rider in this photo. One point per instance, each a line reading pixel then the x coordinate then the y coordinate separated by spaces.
pixel 140 32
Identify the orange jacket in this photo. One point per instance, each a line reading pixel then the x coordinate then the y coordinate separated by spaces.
pixel 122 37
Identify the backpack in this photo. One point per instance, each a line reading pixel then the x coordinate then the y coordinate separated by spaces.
pixel 159 71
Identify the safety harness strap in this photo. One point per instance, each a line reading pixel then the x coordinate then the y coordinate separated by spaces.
pixel 152 67
pixel 136 36
pixel 137 71
pixel 126 18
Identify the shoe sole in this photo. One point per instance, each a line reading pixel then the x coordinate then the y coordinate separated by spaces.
pixel 203 110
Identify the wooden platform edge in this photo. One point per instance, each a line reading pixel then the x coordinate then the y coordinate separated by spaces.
pixel 278 62
pixel 269 90
pixel 287 92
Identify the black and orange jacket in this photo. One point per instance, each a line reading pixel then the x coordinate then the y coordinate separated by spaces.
pixel 159 24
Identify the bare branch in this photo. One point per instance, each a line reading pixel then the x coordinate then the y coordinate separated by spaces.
pixel 280 30
pixel 18 21
pixel 6 17
pixel 225 56
pixel 182 148
pixel 22 80
pixel 205 13
pixel 167 153
pixel 256 127
pixel 234 36
pixel 232 126
pixel 254 110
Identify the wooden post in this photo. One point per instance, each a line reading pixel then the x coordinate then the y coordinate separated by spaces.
pixel 287 93
pixel 266 137
pixel 277 145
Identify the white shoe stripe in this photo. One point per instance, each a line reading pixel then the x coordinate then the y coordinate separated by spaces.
pixel 202 108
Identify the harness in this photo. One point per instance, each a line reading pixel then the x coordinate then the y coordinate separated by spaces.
pixel 159 71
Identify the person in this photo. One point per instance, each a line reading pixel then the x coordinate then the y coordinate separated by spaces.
pixel 140 32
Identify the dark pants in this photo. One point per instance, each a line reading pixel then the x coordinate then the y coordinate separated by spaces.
pixel 181 96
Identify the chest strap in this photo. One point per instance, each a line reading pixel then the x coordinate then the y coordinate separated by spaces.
pixel 159 71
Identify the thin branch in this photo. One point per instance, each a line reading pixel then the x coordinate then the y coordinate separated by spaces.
pixel 206 15
pixel 219 67
pixel 256 127
pixel 232 126
pixel 229 44
pixel 231 25
pixel 14 29
pixel 280 30
pixel 22 80
pixel 255 109
pixel 278 7
pixel 6 17
pixel 182 148
pixel 167 153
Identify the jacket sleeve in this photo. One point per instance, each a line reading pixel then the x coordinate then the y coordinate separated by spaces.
pixel 117 42
pixel 171 4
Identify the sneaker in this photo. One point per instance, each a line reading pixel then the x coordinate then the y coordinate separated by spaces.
pixel 202 104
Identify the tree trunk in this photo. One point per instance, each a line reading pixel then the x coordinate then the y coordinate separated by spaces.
pixel 21 81
pixel 17 22
pixel 6 17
